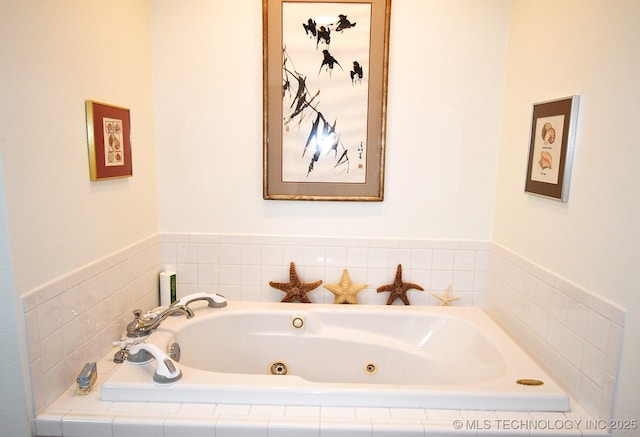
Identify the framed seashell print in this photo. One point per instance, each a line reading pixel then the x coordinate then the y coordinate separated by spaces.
pixel 109 141
pixel 325 67
pixel 551 145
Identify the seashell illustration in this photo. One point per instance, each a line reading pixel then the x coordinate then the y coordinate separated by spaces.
pixel 545 160
pixel 548 133
pixel 114 142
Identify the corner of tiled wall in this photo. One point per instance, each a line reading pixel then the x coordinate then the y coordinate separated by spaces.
pixel 75 318
pixel 574 333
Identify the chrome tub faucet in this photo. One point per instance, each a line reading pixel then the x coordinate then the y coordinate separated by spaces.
pixel 141 327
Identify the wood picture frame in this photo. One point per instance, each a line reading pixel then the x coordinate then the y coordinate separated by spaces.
pixel 325 68
pixel 551 147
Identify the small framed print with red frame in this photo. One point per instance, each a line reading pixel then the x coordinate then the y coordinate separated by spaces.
pixel 109 141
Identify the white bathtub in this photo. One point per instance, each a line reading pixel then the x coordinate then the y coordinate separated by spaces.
pixel 344 355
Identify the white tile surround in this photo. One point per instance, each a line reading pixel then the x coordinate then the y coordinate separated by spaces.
pixel 75 318
pixel 241 266
pixel 576 335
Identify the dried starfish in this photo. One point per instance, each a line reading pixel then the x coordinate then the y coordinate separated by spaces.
pixel 295 289
pixel 445 299
pixel 346 291
pixel 399 289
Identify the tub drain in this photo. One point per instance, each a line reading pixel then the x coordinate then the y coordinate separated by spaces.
pixel 370 368
pixel 278 368
pixel 528 381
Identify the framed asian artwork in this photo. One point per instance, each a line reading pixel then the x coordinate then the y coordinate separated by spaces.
pixel 109 141
pixel 553 130
pixel 325 67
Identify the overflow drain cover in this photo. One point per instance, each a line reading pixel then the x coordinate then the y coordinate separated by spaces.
pixel 529 382
pixel 297 322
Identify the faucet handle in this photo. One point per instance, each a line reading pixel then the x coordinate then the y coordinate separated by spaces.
pixel 121 355
pixel 124 342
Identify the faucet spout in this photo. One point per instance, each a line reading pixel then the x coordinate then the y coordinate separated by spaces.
pixel 141 327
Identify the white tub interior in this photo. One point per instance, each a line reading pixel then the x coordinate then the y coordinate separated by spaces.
pixel 427 357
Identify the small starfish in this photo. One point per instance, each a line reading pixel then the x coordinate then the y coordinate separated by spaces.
pixel 445 299
pixel 399 289
pixel 346 291
pixel 296 289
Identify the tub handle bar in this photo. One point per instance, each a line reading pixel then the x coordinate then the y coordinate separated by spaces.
pixel 215 300
pixel 167 370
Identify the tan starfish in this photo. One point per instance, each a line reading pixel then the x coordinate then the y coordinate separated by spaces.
pixel 346 291
pixel 446 298
pixel 399 289
pixel 295 289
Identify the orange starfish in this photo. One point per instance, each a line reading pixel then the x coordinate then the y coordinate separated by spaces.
pixel 399 289
pixel 295 289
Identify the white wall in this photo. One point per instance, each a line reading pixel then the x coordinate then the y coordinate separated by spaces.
pixel 590 48
pixel 445 92
pixel 56 56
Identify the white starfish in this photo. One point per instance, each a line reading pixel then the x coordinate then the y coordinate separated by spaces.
pixel 445 299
